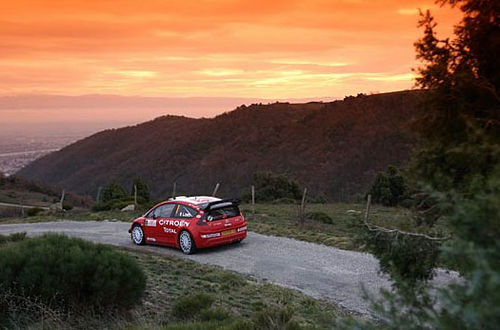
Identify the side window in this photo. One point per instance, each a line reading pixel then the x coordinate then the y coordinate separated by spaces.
pixel 162 211
pixel 165 211
pixel 151 213
pixel 183 211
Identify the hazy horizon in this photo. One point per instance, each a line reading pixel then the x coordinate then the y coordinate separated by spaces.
pixel 90 113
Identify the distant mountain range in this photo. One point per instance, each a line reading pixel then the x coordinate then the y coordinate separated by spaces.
pixel 117 108
pixel 334 149
pixel 103 101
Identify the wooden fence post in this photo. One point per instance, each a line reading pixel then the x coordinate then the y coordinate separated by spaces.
pixel 303 207
pixel 22 206
pixel 367 211
pixel 98 198
pixel 253 201
pixel 135 196
pixel 215 189
pixel 62 199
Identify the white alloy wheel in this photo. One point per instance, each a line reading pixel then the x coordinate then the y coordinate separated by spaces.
pixel 138 235
pixel 186 243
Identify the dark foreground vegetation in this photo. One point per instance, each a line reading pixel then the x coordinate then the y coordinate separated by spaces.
pixel 63 283
pixel 454 176
pixel 57 274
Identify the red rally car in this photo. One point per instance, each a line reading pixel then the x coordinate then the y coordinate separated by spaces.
pixel 189 223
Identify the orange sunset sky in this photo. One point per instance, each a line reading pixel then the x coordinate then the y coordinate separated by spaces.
pixel 220 48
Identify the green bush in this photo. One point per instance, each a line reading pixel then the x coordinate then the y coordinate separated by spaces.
pixel 214 314
pixel 67 205
pixel 320 216
pixel 196 314
pixel 409 260
pixel 34 211
pixel 270 186
pixel 228 324
pixel 71 274
pixel 15 237
pixel 275 319
pixel 189 307
pixel 142 190
pixel 389 187
pixel 113 191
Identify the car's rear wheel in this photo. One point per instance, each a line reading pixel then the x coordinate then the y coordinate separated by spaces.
pixel 138 235
pixel 186 242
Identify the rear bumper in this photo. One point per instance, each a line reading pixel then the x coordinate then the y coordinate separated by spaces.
pixel 208 242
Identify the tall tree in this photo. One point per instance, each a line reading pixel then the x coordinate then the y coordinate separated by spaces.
pixel 462 117
pixel 458 163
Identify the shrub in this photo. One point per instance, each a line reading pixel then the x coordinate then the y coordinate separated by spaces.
pixel 409 260
pixel 270 186
pixel 214 314
pixel 275 319
pixel 34 211
pixel 231 279
pixel 228 324
pixel 101 207
pixel 320 216
pixel 189 306
pixel 113 191
pixel 71 274
pixel 389 187
pixel 67 205
pixel 15 237
pixel 142 190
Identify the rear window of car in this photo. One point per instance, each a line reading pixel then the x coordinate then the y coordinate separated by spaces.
pixel 223 213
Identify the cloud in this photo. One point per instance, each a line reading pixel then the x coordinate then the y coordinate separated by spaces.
pixel 277 49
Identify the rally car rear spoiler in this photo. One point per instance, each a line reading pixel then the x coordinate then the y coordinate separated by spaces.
pixel 220 204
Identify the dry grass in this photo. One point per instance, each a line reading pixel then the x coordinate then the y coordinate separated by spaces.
pixel 240 299
pixel 341 232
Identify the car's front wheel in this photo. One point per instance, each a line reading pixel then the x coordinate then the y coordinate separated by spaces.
pixel 138 235
pixel 186 243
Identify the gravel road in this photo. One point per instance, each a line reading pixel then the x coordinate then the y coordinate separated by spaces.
pixel 316 270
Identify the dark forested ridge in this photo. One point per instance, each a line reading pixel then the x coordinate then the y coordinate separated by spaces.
pixel 335 149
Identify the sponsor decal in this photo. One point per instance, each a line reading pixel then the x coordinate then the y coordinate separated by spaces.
pixel 169 230
pixel 150 223
pixel 152 239
pixel 175 223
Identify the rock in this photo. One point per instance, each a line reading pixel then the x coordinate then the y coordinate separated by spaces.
pixel 353 212
pixel 130 207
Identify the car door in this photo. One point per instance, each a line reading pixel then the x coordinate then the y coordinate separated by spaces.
pixel 154 223
pixel 150 224
pixel 164 217
pixel 179 219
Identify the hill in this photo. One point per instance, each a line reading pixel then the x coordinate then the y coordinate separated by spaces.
pixel 335 149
